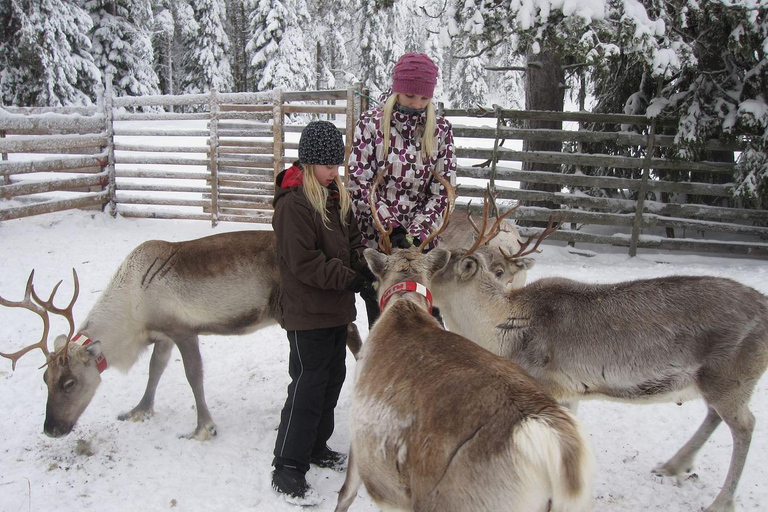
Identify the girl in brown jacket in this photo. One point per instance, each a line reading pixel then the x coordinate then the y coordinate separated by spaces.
pixel 319 251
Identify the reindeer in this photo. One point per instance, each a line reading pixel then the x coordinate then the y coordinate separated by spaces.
pixel 440 424
pixel 502 245
pixel 652 340
pixel 163 294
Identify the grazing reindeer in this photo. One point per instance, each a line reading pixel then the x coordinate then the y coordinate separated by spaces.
pixel 666 339
pixel 440 424
pixel 163 294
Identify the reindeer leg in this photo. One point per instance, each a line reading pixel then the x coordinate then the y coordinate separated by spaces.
pixel 193 367
pixel 682 461
pixel 354 342
pixel 157 363
pixel 352 483
pixel 741 421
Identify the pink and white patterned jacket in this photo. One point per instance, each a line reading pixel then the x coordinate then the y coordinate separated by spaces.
pixel 408 196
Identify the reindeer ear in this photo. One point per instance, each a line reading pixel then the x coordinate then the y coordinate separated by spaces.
pixel 522 263
pixel 467 267
pixel 377 261
pixel 93 350
pixel 59 342
pixel 437 259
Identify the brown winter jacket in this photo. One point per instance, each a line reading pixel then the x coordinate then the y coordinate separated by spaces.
pixel 317 264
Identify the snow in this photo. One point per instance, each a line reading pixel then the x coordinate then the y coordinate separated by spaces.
pixel 106 464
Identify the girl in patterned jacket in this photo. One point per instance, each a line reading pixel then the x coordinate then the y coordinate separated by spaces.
pixel 409 198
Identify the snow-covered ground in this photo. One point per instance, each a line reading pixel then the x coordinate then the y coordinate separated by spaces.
pixel 106 464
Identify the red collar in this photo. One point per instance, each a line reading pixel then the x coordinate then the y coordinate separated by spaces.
pixel 83 340
pixel 406 286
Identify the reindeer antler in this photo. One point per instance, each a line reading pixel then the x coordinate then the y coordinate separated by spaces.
pixel 483 237
pixel 65 312
pixel 451 190
pixel 41 308
pixel 552 226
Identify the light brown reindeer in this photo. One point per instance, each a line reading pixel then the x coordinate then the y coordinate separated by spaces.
pixel 440 424
pixel 163 294
pixel 501 245
pixel 652 340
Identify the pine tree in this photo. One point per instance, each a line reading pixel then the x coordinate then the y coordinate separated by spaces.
pixel 205 64
pixel 332 20
pixel 468 88
pixel 376 46
pixel 45 52
pixel 279 57
pixel 121 44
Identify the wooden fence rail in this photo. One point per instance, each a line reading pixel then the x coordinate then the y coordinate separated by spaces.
pixel 214 157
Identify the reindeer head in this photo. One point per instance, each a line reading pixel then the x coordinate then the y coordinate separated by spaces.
pixel 71 372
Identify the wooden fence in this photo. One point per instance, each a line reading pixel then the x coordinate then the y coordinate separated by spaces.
pixel 214 156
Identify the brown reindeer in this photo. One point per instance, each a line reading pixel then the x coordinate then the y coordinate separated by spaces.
pixel 666 339
pixel 440 424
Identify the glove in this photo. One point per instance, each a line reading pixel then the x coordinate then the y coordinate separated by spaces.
pixel 359 283
pixel 399 238
pixel 366 272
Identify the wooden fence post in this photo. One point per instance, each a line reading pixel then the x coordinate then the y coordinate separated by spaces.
pixel 277 132
pixel 213 157
pixel 350 133
pixel 109 126
pixel 495 156
pixel 6 177
pixel 641 191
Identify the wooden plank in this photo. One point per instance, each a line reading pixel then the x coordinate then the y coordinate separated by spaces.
pixel 579 117
pixel 52 124
pixel 123 198
pixel 158 160
pixel 174 175
pixel 8 168
pixel 606 182
pixel 325 95
pixel 159 132
pixel 51 143
pixel 573 159
pixel 89 200
pixel 146 214
pixel 37 187
pixel 161 116
pixel 143 148
pixel 138 187
pixel 313 109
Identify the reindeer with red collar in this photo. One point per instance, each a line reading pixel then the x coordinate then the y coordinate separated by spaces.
pixel 441 424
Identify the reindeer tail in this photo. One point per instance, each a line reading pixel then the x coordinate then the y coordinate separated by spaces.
pixel 557 448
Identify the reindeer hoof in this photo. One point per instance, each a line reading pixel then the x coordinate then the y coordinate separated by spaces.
pixel 137 414
pixel 202 433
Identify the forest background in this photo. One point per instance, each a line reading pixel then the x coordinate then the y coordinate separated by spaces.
pixel 704 62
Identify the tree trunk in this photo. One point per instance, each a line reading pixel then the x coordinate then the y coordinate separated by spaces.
pixel 544 90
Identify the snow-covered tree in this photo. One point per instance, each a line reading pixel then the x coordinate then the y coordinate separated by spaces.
pixel 163 44
pixel 205 64
pixel 375 46
pixel 279 57
pixel 45 54
pixel 122 47
pixel 332 20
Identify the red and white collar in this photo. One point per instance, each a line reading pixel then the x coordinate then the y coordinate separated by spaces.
pixel 406 286
pixel 83 340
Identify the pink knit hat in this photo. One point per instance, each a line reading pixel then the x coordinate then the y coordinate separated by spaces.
pixel 415 73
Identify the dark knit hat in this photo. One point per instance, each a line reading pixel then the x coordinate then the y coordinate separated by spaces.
pixel 415 73
pixel 322 144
